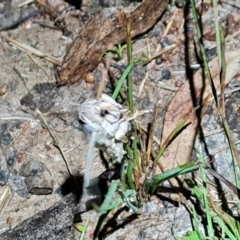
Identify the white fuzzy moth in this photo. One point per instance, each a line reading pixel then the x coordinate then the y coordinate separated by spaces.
pixel 104 125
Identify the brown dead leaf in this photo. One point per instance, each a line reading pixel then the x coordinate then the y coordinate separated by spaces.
pixel 105 29
pixel 179 151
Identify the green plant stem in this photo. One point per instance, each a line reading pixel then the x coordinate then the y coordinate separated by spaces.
pixel 216 21
pixel 205 199
pixel 109 197
pixel 195 223
pixel 129 58
pixel 221 108
pixel 84 229
pixel 130 175
pixel 121 80
pixel 122 174
pixel 137 165
pixel 203 52
pixel 153 183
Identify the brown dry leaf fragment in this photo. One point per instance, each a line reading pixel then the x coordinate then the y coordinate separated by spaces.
pixel 179 151
pixel 105 29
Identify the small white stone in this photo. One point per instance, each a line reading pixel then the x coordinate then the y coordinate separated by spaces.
pixel 56 158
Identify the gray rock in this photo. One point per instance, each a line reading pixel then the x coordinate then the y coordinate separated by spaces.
pixel 18 185
pixel 149 208
pixel 37 177
pixel 5 136
pixel 4 171
pixel 166 74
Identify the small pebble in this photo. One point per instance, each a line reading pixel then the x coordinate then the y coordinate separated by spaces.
pixel 195 67
pixel 180 3
pixel 211 53
pixel 178 83
pixel 10 161
pixel 158 60
pixel 9 220
pixel 27 100
pixel 89 78
pixel 165 56
pixel 6 138
pixel 59 192
pixel 10 156
pixel 166 74
pixel 164 43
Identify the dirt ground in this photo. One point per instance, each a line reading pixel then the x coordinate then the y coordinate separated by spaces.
pixel 27 82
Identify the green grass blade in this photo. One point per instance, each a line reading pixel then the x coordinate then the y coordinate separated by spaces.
pixel 121 80
pixel 84 229
pixel 183 169
pixel 172 135
pixel 108 198
pixel 205 194
pixel 130 181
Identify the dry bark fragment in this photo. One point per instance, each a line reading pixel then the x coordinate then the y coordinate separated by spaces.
pixel 53 223
pixel 105 29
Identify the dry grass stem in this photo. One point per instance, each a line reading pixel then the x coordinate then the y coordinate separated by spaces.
pixel 22 79
pixel 142 85
pixel 27 2
pixel 151 134
pixel 5 197
pixel 171 47
pixel 36 63
pixel 58 145
pixel 26 48
pixel 168 87
pixel 156 139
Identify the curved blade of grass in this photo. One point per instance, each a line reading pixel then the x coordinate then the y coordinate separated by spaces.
pixel 109 197
pixel 124 76
pixel 84 229
pixel 121 80
pixel 183 169
pixel 173 134
pixel 205 194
